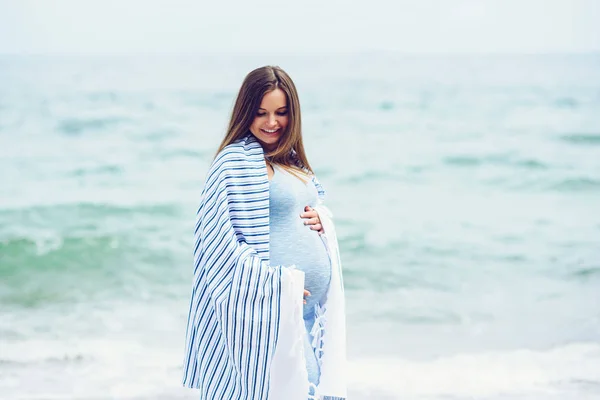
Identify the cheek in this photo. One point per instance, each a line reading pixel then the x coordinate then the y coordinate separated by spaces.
pixel 255 124
pixel 284 121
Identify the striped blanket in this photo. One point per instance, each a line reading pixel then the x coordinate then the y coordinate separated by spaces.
pixel 243 322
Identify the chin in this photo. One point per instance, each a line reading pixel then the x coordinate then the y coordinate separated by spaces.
pixel 268 140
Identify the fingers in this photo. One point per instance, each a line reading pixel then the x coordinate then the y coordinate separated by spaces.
pixel 306 294
pixel 309 214
pixel 311 221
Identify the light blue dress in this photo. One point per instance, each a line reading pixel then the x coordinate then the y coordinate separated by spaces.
pixel 292 242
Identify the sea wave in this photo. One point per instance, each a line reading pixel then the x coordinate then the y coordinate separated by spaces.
pixel 76 126
pixel 110 169
pixel 584 139
pixel 55 269
pixel 86 210
pixel 493 373
pixel 576 184
pixel 566 102
pixel 564 372
pixel 369 176
pixel 587 273
pixel 55 248
pixel 495 159
pixel 50 266
pixel 185 153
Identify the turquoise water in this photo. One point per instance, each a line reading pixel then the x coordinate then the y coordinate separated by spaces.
pixel 466 192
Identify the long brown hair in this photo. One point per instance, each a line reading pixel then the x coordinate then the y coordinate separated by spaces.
pixel 290 152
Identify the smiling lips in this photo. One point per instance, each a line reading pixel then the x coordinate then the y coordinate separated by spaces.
pixel 269 131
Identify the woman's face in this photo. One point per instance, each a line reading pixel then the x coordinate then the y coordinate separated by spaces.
pixel 271 119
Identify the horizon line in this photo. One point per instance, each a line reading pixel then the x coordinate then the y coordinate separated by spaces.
pixel 302 53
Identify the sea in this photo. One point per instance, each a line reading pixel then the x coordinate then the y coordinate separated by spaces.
pixel 465 191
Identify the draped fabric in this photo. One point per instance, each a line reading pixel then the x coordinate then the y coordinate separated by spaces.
pixel 237 297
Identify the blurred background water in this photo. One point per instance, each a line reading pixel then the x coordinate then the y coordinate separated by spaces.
pixel 466 191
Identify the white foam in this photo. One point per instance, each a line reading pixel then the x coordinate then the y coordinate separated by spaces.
pixel 128 368
pixel 489 373
pixel 123 368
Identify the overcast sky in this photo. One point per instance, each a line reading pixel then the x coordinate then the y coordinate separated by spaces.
pixel 266 26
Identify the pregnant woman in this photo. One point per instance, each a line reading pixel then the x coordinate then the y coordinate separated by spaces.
pixel 267 311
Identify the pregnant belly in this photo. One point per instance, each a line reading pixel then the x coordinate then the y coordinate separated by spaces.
pixel 297 244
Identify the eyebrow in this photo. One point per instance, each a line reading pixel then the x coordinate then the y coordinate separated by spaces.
pixel 260 108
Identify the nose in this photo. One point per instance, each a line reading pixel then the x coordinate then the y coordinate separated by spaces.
pixel 272 120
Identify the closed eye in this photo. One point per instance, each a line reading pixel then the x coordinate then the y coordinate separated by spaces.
pixel 281 112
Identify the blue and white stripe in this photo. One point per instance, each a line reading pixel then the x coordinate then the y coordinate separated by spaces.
pixel 233 320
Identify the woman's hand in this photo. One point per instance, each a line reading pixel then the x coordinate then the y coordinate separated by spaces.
pixel 312 219
pixel 306 294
